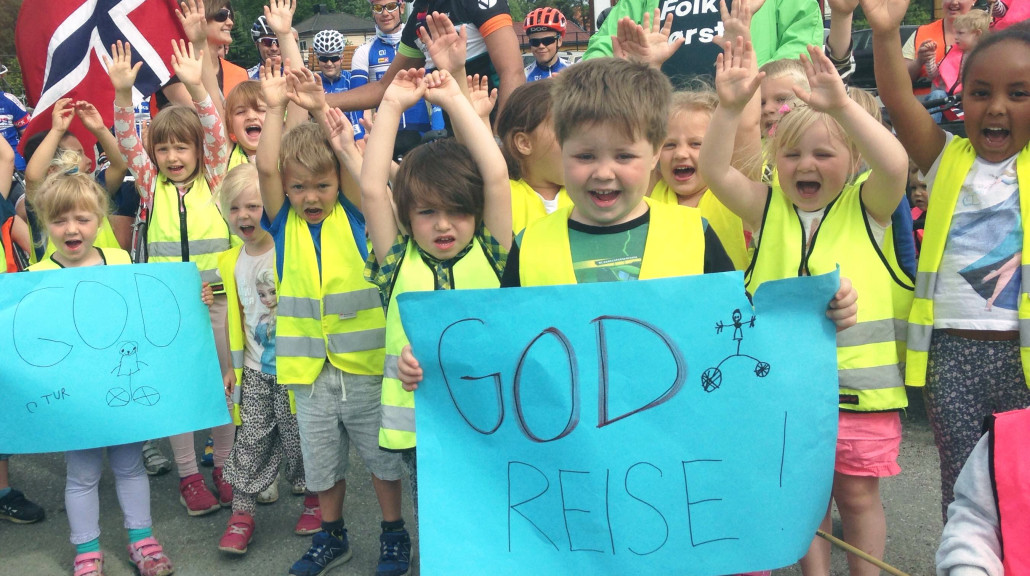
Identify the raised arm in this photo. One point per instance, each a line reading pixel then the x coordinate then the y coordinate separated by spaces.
pixel 747 144
pixel 446 44
pixel 191 17
pixel 340 132
pixel 38 166
pixel 503 46
pixel 279 15
pixel 188 65
pixel 91 119
pixel 736 80
pixel 273 90
pixel 920 135
pixel 371 94
pixel 880 150
pixel 442 90
pixel 647 42
pixel 123 75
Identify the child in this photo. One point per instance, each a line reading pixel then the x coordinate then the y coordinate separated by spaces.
pixel 682 184
pixel 965 325
pixel 815 152
pixel 184 160
pixel 72 206
pixel 267 427
pixel 946 77
pixel 526 130
pixel 917 198
pixel 245 114
pixel 455 212
pixel 330 328
pixel 778 92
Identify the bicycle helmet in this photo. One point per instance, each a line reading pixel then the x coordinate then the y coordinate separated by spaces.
pixel 328 42
pixel 544 19
pixel 260 29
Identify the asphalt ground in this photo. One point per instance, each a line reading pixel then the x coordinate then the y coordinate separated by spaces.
pixel 911 501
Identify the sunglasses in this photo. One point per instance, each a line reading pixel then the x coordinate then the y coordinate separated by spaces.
pixel 269 42
pixel 328 58
pixel 222 15
pixel 389 7
pixel 534 42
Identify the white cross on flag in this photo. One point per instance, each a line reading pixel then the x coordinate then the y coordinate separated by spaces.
pixel 60 42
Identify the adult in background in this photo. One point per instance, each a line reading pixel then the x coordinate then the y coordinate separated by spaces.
pixel 933 39
pixel 779 29
pixel 13 120
pixel 267 46
pixel 328 46
pixel 545 29
pixel 370 63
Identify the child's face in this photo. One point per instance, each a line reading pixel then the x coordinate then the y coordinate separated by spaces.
pixel 607 174
pixel 918 191
pixel 245 216
pixel 246 123
pixel 678 159
pixel 312 195
pixel 776 92
pixel 71 142
pixel 545 158
pixel 176 160
pixel 266 294
pixel 996 100
pixel 814 171
pixel 966 39
pixel 73 233
pixel 441 233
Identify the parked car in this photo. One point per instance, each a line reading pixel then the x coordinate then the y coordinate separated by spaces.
pixel 862 48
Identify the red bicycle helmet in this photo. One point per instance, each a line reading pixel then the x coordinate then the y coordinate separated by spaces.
pixel 544 19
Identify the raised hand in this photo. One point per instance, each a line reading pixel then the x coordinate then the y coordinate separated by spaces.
pixel 339 131
pixel 736 22
pixel 191 16
pixel 279 15
pixel 446 45
pixel 482 97
pixel 884 15
pixel 90 116
pixel 441 87
pixel 736 75
pixel 827 89
pixel 273 85
pixel 305 90
pixel 647 43
pixel 187 62
pixel 842 7
pixel 62 114
pixel 407 88
pixel 120 68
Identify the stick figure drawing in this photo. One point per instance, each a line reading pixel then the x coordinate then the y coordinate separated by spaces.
pixel 711 379
pixel 129 365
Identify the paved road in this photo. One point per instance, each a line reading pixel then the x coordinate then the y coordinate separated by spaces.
pixel 911 502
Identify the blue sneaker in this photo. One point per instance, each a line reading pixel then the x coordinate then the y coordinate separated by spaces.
pixel 326 552
pixel 394 553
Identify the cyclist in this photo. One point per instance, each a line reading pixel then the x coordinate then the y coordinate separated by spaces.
pixel 545 28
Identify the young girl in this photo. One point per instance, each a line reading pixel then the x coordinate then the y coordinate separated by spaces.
pixel 778 91
pixel 811 219
pixel 964 331
pixel 681 183
pixel 244 114
pixel 454 209
pixel 72 206
pixel 526 129
pixel 184 160
pixel 268 431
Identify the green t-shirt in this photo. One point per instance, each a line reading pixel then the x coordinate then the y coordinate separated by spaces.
pixel 608 257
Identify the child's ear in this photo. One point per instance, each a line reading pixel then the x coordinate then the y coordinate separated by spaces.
pixel 523 143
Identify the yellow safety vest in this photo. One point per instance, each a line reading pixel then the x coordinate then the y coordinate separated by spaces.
pixel 955 164
pixel 675 246
pixel 871 354
pixel 727 225
pixel 237 337
pixel 237 156
pixel 332 314
pixel 397 427
pixel 111 257
pixel 206 234
pixel 527 206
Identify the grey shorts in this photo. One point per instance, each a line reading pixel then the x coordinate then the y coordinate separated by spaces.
pixel 335 410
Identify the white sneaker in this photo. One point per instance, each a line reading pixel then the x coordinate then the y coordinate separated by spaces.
pixel 270 494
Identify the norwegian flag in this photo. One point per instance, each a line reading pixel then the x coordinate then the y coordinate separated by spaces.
pixel 60 42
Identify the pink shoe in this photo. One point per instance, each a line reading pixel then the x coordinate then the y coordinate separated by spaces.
pixel 194 495
pixel 310 521
pixel 149 558
pixel 223 488
pixel 89 564
pixel 238 533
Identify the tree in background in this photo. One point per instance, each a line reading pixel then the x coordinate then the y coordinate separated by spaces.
pixel 12 80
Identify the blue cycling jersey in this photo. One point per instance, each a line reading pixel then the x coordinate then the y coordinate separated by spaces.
pixel 343 84
pixel 536 71
pixel 371 61
pixel 13 118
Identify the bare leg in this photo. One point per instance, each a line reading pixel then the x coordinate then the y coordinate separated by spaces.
pixel 861 514
pixel 816 562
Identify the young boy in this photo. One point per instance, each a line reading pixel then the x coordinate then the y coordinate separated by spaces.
pixel 330 332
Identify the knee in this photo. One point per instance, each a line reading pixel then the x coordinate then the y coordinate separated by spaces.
pixel 856 494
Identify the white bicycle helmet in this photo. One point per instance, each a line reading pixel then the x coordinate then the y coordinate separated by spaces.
pixel 328 42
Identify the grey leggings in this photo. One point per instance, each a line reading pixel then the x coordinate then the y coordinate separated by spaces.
pixel 82 494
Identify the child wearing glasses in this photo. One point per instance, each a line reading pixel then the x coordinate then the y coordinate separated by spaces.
pixel 545 28
pixel 328 47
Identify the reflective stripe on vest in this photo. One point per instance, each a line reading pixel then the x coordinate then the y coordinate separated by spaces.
pixel 871 353
pixel 397 426
pixel 675 246
pixel 956 162
pixel 527 206
pixel 332 314
pixel 727 225
pixel 1010 472
pixel 206 231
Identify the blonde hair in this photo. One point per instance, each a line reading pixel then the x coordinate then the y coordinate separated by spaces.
pixel 62 192
pixel 699 98
pixel 631 98
pixel 65 160
pixel 247 94
pixel 307 146
pixel 867 101
pixel 786 67
pixel 177 123
pixel 793 126
pixel 239 180
pixel 974 21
